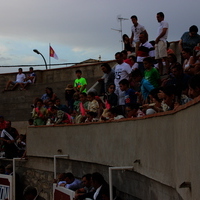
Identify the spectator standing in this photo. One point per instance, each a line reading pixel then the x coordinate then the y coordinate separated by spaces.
pixel 69 93
pixel 80 83
pixel 145 50
pixel 122 71
pixel 151 74
pixel 108 77
pixel 9 136
pixel 161 41
pixel 136 29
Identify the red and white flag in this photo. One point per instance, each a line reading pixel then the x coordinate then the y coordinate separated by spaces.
pixel 52 53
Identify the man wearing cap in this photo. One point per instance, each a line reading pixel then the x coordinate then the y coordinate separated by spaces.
pixel 9 136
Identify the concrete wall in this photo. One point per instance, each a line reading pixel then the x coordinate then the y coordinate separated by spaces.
pixel 167 145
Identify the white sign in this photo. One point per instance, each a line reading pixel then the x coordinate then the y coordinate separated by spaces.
pixel 5 187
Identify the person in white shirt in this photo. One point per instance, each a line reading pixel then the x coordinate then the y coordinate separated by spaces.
pixel 161 41
pixel 122 71
pixel 136 29
pixel 19 79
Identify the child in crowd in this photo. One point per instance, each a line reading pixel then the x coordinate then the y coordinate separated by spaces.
pixel 83 106
pixel 93 104
pixel 145 85
pixel 39 113
pixel 91 117
pixel 130 94
pixel 69 92
pixel 80 83
pixel 133 110
pixel 112 114
pixel 58 116
pixel 110 98
pixel 61 106
pixel 76 101
pixel 151 74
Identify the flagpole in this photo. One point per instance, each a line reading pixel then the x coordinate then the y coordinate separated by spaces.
pixel 49 57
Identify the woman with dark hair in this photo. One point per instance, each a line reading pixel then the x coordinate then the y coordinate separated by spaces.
pixel 127 44
pixel 188 59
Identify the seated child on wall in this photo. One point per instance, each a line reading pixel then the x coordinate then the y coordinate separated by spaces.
pixel 110 98
pixel 58 116
pixel 76 101
pixel 112 114
pixel 81 110
pixel 39 113
pixel 93 105
pixel 61 106
pixel 91 117
pixel 133 110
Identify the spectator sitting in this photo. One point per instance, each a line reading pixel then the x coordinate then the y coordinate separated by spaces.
pixel 110 97
pixel 194 86
pixel 19 79
pixel 48 95
pixel 69 92
pixel 169 97
pixel 112 114
pixel 39 113
pixel 83 106
pixel 9 136
pixel 76 101
pixel 99 184
pixel 61 179
pixel 61 106
pixel 93 104
pixel 130 94
pixel 155 103
pixel 80 83
pixel 145 85
pixel 87 183
pixel 30 122
pixel 59 116
pixel 71 182
pixel 132 110
pixel 188 59
pixel 30 79
pixel 91 117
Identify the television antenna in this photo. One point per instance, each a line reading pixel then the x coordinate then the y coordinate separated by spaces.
pixel 120 19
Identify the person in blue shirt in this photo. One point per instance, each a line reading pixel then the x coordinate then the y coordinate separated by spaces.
pixel 145 85
pixel 130 94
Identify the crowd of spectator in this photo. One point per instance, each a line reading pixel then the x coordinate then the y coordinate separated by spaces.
pixel 92 186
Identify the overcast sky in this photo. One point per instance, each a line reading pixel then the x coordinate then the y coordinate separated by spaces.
pixel 81 29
